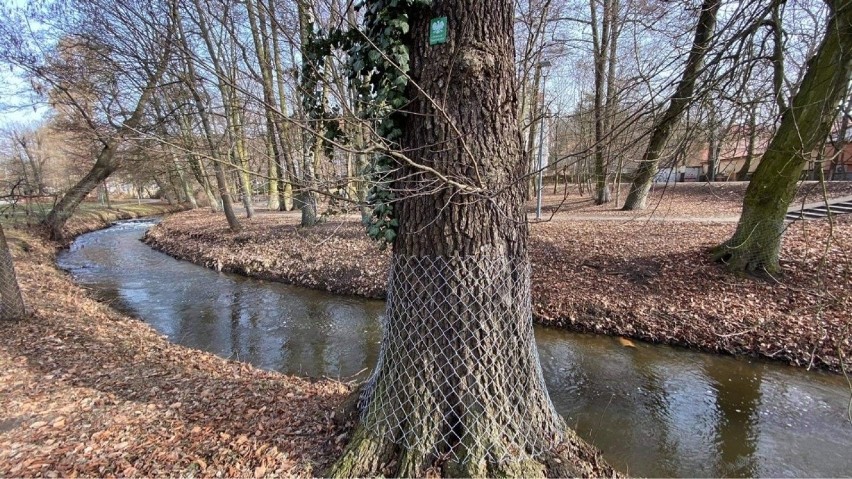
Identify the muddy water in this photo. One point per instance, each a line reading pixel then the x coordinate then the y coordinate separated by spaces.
pixel 653 410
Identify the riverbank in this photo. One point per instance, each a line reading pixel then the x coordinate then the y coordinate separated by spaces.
pixel 648 280
pixel 89 216
pixel 86 390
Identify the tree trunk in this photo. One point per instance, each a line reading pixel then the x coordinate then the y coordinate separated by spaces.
pixel 11 302
pixel 195 164
pixel 839 156
pixel 221 181
pixel 165 191
pixel 755 246
pixel 240 154
pixel 306 197
pixel 713 144
pixel 285 162
pixel 458 389
pixel 742 175
pixel 184 184
pixel 106 162
pixel 644 176
pixel 610 107
pixel 62 211
pixel 600 40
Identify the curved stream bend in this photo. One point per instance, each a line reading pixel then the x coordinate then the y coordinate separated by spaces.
pixel 652 410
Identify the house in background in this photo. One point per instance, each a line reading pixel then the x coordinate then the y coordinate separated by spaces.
pixel 733 157
pixel 838 164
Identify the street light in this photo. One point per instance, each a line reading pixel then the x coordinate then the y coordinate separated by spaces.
pixel 542 66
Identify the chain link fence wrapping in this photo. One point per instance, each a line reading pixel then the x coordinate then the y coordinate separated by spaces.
pixel 11 302
pixel 458 368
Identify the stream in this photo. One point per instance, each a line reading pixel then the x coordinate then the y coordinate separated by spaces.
pixel 653 410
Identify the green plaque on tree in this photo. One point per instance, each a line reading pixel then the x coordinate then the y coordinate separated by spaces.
pixel 438 31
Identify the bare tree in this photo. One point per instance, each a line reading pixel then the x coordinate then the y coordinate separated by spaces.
pixel 756 244
pixel 683 96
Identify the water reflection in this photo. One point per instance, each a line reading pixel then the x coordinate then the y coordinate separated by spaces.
pixel 263 323
pixel 737 391
pixel 653 411
pixel 661 411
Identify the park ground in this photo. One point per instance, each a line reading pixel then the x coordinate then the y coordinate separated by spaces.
pixel 645 275
pixel 88 391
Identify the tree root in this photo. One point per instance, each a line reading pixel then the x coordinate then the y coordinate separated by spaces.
pixel 368 456
pixel 738 258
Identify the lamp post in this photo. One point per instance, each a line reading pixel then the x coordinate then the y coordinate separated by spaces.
pixel 543 65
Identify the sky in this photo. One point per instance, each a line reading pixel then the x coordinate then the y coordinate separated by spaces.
pixel 18 102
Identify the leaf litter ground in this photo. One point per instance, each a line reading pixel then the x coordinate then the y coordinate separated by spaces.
pixel 87 391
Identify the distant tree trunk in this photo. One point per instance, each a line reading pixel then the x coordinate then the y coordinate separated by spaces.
pixel 165 191
pixel 713 146
pixel 742 175
pixel 755 246
pixel 644 176
pixel 184 184
pixel 226 81
pixel 535 123
pixel 196 165
pixel 285 163
pixel 106 162
pixel 458 391
pixel 312 141
pixel 11 302
pixel 778 56
pixel 260 37
pixel 221 180
pixel 104 166
pixel 601 52
pixel 240 156
pixel 611 104
pixel 839 156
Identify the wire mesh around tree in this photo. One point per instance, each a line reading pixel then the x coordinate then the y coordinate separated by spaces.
pixel 458 372
pixel 11 302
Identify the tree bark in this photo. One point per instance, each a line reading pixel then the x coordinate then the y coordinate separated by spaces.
pixel 195 164
pixel 755 246
pixel 306 197
pixel 644 176
pixel 240 155
pixel 11 302
pixel 285 163
pixel 458 390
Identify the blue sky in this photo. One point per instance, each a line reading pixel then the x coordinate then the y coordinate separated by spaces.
pixel 18 102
